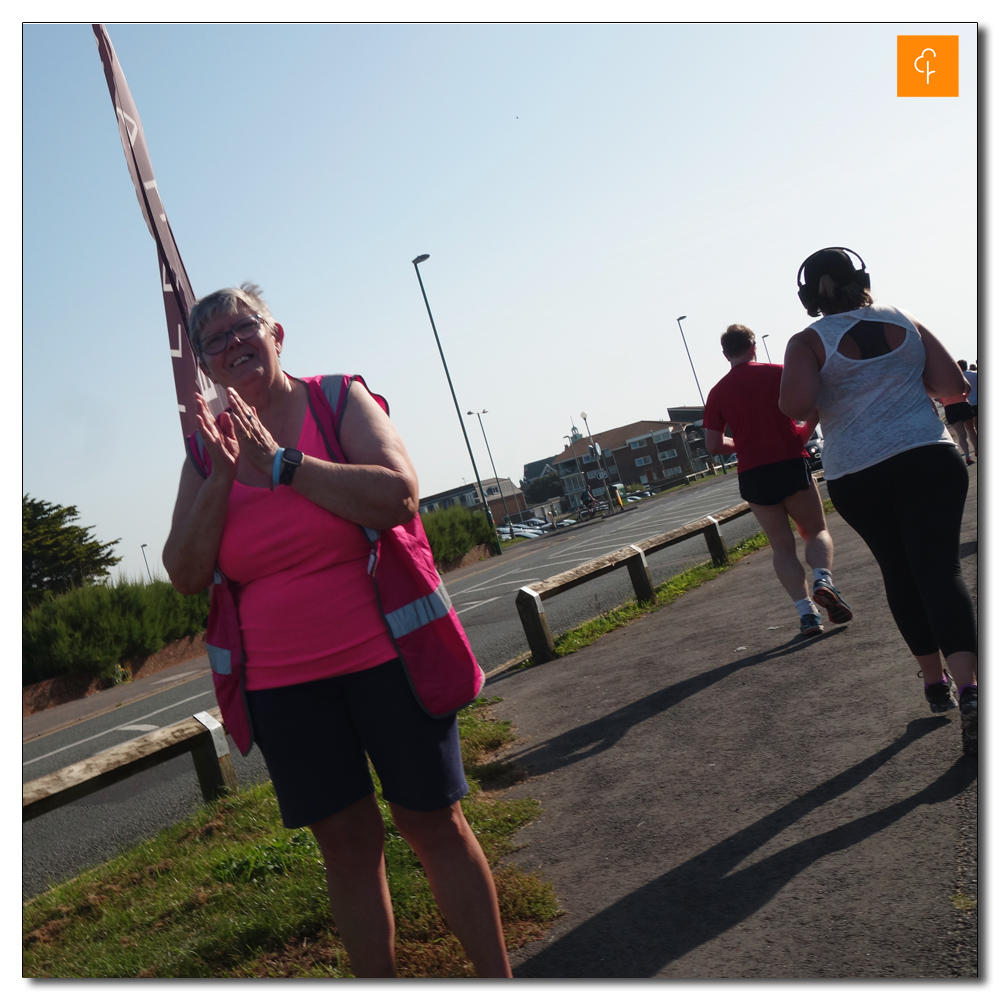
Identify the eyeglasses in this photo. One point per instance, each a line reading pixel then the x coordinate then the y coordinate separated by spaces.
pixel 216 343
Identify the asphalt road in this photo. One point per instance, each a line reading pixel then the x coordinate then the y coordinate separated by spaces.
pixel 62 843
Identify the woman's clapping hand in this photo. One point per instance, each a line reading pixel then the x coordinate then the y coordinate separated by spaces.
pixel 255 441
pixel 221 441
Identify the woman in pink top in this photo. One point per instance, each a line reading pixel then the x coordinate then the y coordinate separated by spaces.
pixel 324 687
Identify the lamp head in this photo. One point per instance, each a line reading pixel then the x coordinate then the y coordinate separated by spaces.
pixel 679 318
pixel 421 258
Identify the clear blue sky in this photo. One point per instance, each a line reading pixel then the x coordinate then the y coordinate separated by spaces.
pixel 577 187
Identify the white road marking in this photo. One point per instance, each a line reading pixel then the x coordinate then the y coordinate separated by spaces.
pixel 476 604
pixel 69 746
pixel 142 727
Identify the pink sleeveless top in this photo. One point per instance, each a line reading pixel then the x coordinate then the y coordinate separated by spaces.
pixel 306 602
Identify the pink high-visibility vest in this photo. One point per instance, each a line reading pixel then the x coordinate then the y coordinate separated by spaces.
pixel 432 646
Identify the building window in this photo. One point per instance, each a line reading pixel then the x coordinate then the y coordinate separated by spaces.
pixel 636 445
pixel 587 459
pixel 593 475
pixel 644 479
pixel 612 470
pixel 644 460
pixel 664 455
pixel 492 490
pixel 675 471
pixel 573 484
pixel 660 436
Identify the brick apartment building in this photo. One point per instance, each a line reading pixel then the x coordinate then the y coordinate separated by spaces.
pixel 654 453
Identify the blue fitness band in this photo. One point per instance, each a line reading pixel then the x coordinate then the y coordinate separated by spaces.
pixel 276 468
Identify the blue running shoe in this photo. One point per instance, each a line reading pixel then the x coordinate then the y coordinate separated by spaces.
pixel 810 624
pixel 827 596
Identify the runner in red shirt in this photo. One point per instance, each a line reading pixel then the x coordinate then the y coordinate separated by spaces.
pixel 774 476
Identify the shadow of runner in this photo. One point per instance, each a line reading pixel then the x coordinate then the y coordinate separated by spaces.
pixel 601 734
pixel 698 900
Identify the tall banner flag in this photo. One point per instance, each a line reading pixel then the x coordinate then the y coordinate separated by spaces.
pixel 177 294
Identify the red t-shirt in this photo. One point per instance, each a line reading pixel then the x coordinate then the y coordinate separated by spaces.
pixel 747 400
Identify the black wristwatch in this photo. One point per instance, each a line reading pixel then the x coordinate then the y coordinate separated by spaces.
pixel 291 459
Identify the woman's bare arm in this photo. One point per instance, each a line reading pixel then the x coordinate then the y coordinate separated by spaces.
pixel 942 376
pixel 378 488
pixel 192 547
pixel 799 378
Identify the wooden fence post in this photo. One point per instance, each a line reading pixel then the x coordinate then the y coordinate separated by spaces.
pixel 716 543
pixel 535 624
pixel 212 759
pixel 642 582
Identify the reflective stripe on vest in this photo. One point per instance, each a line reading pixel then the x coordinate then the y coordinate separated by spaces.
pixel 422 611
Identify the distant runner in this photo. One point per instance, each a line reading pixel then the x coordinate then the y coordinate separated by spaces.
pixel 774 475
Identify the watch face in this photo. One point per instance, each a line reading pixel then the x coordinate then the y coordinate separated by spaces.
pixel 291 459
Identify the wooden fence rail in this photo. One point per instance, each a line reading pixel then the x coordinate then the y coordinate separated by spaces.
pixel 202 736
pixel 633 557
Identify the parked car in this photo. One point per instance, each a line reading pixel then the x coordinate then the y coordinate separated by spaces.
pixel 565 522
pixel 814 450
pixel 537 524
pixel 507 532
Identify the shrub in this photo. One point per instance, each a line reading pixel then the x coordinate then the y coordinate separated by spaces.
pixel 455 531
pixel 91 629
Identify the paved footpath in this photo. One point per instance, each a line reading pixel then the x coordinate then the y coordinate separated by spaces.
pixel 722 798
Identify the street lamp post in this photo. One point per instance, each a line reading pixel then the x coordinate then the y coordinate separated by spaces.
pixel 603 463
pixel 498 548
pixel 696 382
pixel 766 351
pixel 503 499
pixel 146 561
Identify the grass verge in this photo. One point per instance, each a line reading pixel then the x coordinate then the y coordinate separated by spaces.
pixel 230 893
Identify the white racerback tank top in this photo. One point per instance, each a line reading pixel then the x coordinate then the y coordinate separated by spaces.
pixel 874 408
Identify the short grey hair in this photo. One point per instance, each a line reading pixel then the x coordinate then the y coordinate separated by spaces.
pixel 226 302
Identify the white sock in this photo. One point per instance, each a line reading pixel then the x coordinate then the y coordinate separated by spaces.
pixel 806 607
pixel 823 575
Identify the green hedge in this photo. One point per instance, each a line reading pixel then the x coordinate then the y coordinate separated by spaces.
pixel 455 531
pixel 92 629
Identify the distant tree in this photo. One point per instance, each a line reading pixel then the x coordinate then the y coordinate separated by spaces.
pixel 56 555
pixel 540 490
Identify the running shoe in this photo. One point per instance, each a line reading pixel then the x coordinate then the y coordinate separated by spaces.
pixel 810 624
pixel 827 596
pixel 941 696
pixel 969 461
pixel 968 705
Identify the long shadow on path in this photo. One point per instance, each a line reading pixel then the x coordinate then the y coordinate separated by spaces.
pixel 601 734
pixel 697 901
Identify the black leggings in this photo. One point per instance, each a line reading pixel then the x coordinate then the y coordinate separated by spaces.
pixel 908 509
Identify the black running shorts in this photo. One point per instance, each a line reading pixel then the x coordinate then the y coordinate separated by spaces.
pixel 769 484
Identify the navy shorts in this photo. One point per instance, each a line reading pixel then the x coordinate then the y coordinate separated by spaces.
pixel 317 737
pixel 771 483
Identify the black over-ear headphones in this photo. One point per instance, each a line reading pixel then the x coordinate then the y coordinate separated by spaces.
pixel 807 296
